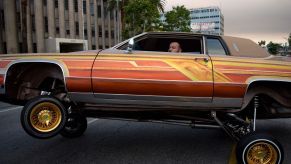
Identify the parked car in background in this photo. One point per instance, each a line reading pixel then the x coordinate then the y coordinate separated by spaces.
pixel 215 82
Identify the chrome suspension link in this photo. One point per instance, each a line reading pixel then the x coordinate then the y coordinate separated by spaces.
pixel 256 106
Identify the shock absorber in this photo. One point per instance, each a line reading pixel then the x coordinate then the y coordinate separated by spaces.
pixel 256 106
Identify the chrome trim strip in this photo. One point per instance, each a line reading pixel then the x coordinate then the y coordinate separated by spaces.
pixel 267 78
pixel 204 45
pixel 184 81
pixel 217 102
pixel 145 80
pixel 152 97
pixel 51 61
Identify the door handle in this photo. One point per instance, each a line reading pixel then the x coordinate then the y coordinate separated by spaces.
pixel 206 60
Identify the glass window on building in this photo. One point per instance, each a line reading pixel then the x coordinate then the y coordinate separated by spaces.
pixel 34 47
pixel 66 4
pixel 2 19
pixel 76 5
pixel 33 23
pixel 20 47
pixel 106 34
pixel 5 47
pixel 112 34
pixel 99 11
pixel 77 28
pixel 84 7
pixel 57 30
pixel 46 24
pixel 214 47
pixel 100 31
pixel 92 9
pixel 56 4
pixel 86 33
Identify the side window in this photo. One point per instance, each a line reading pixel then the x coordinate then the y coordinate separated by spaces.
pixel 215 47
pixel 189 45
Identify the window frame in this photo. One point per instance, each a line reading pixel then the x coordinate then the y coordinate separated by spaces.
pixel 140 37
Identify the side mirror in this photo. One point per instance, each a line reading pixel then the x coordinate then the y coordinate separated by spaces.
pixel 130 46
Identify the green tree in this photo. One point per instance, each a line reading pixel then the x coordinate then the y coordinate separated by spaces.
pixel 262 43
pixel 273 48
pixel 140 16
pixel 128 12
pixel 178 19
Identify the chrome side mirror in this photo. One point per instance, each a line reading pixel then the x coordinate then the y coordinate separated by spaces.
pixel 130 46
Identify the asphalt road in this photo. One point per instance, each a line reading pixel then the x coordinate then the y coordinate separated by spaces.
pixel 107 141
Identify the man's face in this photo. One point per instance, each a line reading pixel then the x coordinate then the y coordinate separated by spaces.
pixel 174 47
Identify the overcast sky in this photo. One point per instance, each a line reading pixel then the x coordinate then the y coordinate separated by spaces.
pixel 253 19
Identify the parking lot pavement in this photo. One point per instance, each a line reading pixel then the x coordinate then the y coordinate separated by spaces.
pixel 5 106
pixel 107 141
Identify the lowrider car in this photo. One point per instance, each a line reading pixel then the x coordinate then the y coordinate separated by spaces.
pixel 215 82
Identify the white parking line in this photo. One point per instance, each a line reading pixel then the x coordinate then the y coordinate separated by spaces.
pixel 10 109
pixel 90 122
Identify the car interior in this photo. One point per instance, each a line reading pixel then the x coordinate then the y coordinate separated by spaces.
pixel 162 45
pixel 191 45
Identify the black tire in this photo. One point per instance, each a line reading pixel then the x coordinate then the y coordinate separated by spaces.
pixel 43 117
pixel 75 126
pixel 252 146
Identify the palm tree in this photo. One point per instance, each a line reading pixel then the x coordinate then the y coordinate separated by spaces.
pixel 160 4
pixel 119 5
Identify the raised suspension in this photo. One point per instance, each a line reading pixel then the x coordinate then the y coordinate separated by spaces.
pixel 235 126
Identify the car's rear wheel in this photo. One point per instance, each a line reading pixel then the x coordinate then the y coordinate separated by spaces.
pixel 43 117
pixel 258 148
pixel 75 126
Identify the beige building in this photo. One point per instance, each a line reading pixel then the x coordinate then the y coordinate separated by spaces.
pixel 57 25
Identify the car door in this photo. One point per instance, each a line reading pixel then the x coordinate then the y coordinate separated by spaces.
pixel 228 74
pixel 152 78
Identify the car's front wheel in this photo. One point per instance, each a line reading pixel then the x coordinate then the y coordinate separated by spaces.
pixel 257 148
pixel 43 117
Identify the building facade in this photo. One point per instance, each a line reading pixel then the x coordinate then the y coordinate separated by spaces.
pixel 40 26
pixel 208 20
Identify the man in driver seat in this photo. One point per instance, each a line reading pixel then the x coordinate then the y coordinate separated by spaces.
pixel 175 47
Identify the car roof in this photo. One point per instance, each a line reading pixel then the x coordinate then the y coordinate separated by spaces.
pixel 242 47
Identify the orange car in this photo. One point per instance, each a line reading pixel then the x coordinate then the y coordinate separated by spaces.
pixel 216 81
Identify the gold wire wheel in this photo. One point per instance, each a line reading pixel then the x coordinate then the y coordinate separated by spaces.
pixel 262 153
pixel 45 117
